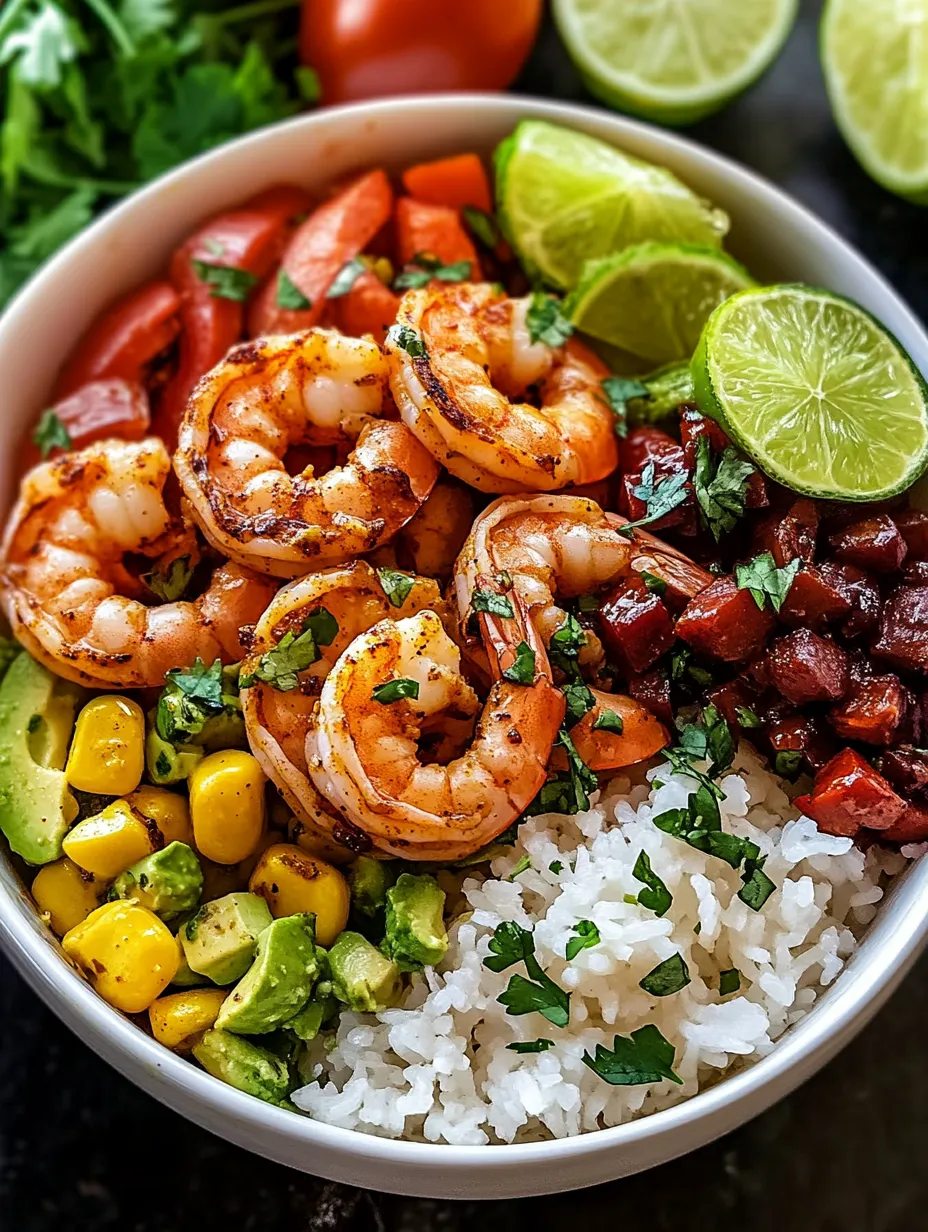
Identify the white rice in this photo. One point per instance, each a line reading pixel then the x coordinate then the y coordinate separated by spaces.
pixel 437 1068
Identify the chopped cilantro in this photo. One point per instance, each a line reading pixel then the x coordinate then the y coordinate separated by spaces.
pixel 586 936
pixel 765 581
pixel 788 763
pixel 190 697
pixel 425 267
pixel 50 433
pixel 720 488
pixel 345 279
pixel 580 701
pixel 546 323
pixel 588 603
pixel 567 791
pixel 566 643
pixel 522 668
pixel 520 866
pixel 481 225
pixel 757 886
pixel 538 1045
pixel 659 498
pixel 294 653
pixel 643 1057
pixel 396 585
pixel 489 601
pixel 227 281
pixel 509 945
pixel 408 340
pixel 729 981
pixel 170 584
pixel 656 897
pixel 747 718
pixel 288 294
pixel 619 391
pixel 667 977
pixel 608 720
pixel 655 584
pixel 395 690
pixel 555 867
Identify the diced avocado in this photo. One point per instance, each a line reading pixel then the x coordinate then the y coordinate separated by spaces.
pixel 369 881
pixel 219 942
pixel 279 981
pixel 318 1010
pixel 36 721
pixel 168 763
pixel 9 649
pixel 223 731
pixel 244 1065
pixel 415 935
pixel 362 977
pixel 168 881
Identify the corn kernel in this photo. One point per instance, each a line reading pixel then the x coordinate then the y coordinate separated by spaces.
pixel 107 843
pixel 65 894
pixel 227 806
pixel 177 1020
pixel 126 952
pixel 167 809
pixel 292 881
pixel 108 750
pixel 221 879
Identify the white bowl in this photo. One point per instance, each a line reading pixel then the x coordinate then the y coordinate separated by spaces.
pixel 778 240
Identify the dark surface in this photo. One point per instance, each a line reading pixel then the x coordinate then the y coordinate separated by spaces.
pixel 81 1150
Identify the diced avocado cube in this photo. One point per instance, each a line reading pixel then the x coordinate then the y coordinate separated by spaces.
pixel 244 1065
pixel 223 731
pixel 415 930
pixel 168 881
pixel 168 763
pixel 279 981
pixel 219 942
pixel 309 1021
pixel 362 977
pixel 36 721
pixel 369 881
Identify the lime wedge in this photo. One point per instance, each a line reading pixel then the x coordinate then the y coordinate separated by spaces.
pixel 654 299
pixel 875 60
pixel 673 62
pixel 815 391
pixel 563 197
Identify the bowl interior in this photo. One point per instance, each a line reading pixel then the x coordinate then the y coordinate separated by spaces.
pixel 777 240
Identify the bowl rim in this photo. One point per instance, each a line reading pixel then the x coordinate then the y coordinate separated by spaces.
pixel 861 988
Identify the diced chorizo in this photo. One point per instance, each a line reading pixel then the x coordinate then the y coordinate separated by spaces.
pixel 847 794
pixel 693 425
pixel 814 600
pixel 736 699
pixel 912 827
pixel 903 639
pixel 860 591
pixel 636 626
pixel 874 543
pixel 789 535
pixel 647 444
pixel 906 769
pixel 725 622
pixel 805 734
pixel 912 525
pixel 807 668
pixel 873 710
pixel 652 689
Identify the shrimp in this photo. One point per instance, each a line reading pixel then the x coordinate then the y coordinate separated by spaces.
pixel 313 388
pixel 277 715
pixel 457 388
pixel 69 590
pixel 363 745
pixel 558 547
pixel 430 542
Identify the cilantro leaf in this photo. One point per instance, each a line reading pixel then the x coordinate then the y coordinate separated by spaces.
pixel 659 498
pixel 546 323
pixel 288 294
pixel 619 390
pixel 720 489
pixel 538 1045
pixel 520 866
pixel 396 585
pixel 787 763
pixel 280 667
pixel 757 886
pixel 522 668
pixel 608 720
pixel 765 581
pixel 565 644
pixel 729 981
pixel 481 225
pixel 510 944
pixel 656 897
pixel 424 268
pixel 580 701
pixel 345 279
pixel 555 867
pixel 407 340
pixel 395 690
pixel 582 778
pixel 489 601
pixel 522 996
pixel 655 584
pixel 587 935
pixel 50 433
pixel 189 699
pixel 645 1056
pixel 747 718
pixel 667 977
pixel 227 281
pixel 171 583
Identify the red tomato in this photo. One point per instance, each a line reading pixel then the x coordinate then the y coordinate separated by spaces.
pixel 364 48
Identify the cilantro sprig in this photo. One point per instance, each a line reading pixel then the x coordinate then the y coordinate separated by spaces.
pixel 170 583
pixel 619 391
pixel 424 267
pixel 660 496
pixel 281 666
pixel 511 944
pixel 191 697
pixel 50 433
pixel 765 581
pixel 546 323
pixel 720 486
pixel 644 1056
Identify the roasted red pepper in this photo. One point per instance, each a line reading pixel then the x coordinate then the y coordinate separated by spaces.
pixel 725 622
pixel 847 794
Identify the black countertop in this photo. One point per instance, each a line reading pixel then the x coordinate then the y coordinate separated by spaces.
pixel 81 1150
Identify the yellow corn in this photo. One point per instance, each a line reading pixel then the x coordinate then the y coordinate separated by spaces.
pixel 227 806
pixel 177 1020
pixel 107 843
pixel 221 879
pixel 65 894
pixel 126 952
pixel 167 809
pixel 108 750
pixel 292 881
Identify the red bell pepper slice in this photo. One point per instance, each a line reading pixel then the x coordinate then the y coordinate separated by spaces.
pixel 433 229
pixel 457 181
pixel 99 409
pixel 368 308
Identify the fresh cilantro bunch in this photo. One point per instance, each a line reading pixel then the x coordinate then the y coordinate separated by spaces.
pixel 99 96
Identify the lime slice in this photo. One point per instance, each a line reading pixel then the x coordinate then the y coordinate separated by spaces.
pixel 815 391
pixel 875 60
pixel 563 197
pixel 654 299
pixel 669 61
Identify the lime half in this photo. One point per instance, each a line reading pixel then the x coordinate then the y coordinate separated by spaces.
pixel 815 391
pixel 563 197
pixel 673 61
pixel 654 299
pixel 875 60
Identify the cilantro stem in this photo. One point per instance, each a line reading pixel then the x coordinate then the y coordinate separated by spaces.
pixel 247 12
pixel 9 15
pixel 115 27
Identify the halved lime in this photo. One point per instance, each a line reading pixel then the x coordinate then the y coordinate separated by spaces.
pixel 668 61
pixel 815 391
pixel 654 299
pixel 563 197
pixel 875 60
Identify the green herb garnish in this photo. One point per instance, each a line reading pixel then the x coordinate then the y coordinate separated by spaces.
pixel 538 1045
pixel 720 487
pixel 619 391
pixel 522 668
pixel 579 700
pixel 659 498
pixel 50 433
pixel 643 1057
pixel 408 340
pixel 345 279
pixel 667 977
pixel 546 323
pixel 396 585
pixel 169 584
pixel 729 981
pixel 509 945
pixel 586 936
pixel 608 720
pixel 655 897
pixel 226 281
pixel 765 581
pixel 395 690
pixel 481 225
pixel 489 601
pixel 288 294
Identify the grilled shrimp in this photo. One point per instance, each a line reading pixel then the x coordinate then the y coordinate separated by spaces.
pixel 430 542
pixel 316 388
pixel 458 390
pixel 392 682
pixel 558 547
pixel 70 593
pixel 277 715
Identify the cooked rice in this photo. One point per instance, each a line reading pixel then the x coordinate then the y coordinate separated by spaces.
pixel 437 1068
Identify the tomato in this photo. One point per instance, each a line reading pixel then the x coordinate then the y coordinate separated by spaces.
pixel 364 48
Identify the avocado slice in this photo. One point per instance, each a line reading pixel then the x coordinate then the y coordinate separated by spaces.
pixel 415 930
pixel 168 763
pixel 168 881
pixel 362 977
pixel 244 1065
pixel 369 881
pixel 279 981
pixel 219 942
pixel 36 722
